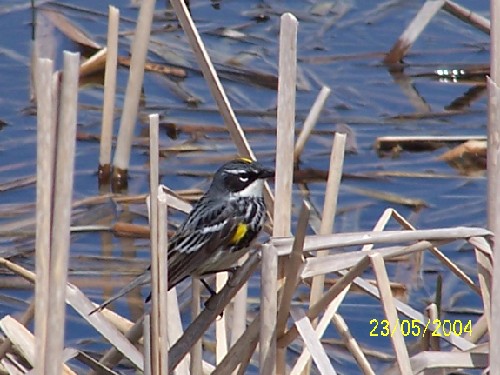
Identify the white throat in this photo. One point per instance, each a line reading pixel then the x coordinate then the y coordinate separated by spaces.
pixel 252 190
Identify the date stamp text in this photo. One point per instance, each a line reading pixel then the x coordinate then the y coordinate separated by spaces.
pixel 417 328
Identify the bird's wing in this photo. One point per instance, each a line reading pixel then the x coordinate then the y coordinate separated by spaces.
pixel 142 279
pixel 197 241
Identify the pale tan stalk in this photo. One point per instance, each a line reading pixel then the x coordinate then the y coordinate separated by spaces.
pixel 493 202
pixel 216 89
pixel 397 339
pixel 60 235
pixel 109 87
pixel 197 349
pixel 133 92
pixel 285 133
pixel 310 122
pixel 153 221
pixel 45 170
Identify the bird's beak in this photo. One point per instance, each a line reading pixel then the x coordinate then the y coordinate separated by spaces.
pixel 266 173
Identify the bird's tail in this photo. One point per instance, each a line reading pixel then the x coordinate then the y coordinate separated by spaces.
pixel 143 278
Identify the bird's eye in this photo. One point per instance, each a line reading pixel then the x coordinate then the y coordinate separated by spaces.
pixel 243 178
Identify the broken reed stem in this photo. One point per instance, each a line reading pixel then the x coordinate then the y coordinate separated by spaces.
pixel 397 339
pixel 153 221
pixel 60 234
pixel 216 88
pixel 315 243
pixel 322 304
pixel 268 310
pixel 24 319
pixel 162 260
pixel 139 51
pixel 312 342
pixel 214 306
pixel 329 211
pixel 285 127
pixel 109 96
pixel 310 122
pixel 323 324
pixel 294 262
pixel 329 207
pixel 239 316
pixel 113 356
pixel 23 340
pixel 220 324
pixel 352 345
pixel 239 319
pixel 45 164
pixel 196 352
pixel 242 349
pixel 438 254
pixel 176 332
pixel 493 198
pixel 293 268
pixel 148 355
pixel 431 342
pixel 466 15
pixel 285 134
pixel 412 32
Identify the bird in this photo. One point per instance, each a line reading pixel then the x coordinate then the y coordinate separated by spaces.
pixel 219 230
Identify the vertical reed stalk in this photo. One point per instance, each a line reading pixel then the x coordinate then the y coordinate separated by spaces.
pixel 140 45
pixel 268 311
pixel 153 221
pixel 220 324
pixel 147 345
pixel 285 125
pixel 60 235
pixel 287 84
pixel 45 164
pixel 175 332
pixel 104 171
pixel 162 260
pixel 197 349
pixel 329 211
pixel 493 160
pixel 239 319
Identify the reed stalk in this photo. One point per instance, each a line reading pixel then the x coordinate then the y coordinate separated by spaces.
pixel 104 169
pixel 412 32
pixel 493 202
pixel 391 314
pixel 139 51
pixel 148 355
pixel 45 164
pixel 285 131
pixel 163 302
pixel 310 122
pixel 153 221
pixel 196 352
pixel 60 231
pixel 216 89
pixel 221 323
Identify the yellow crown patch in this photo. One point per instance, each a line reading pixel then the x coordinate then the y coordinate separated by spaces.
pixel 246 160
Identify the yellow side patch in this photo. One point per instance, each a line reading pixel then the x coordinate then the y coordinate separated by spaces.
pixel 240 232
pixel 246 160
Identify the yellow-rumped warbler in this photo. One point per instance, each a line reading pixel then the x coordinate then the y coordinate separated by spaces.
pixel 219 230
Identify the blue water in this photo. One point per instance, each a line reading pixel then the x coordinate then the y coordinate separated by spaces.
pixel 342 49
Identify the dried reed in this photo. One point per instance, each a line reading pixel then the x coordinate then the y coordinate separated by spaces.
pixel 104 169
pixel 139 51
